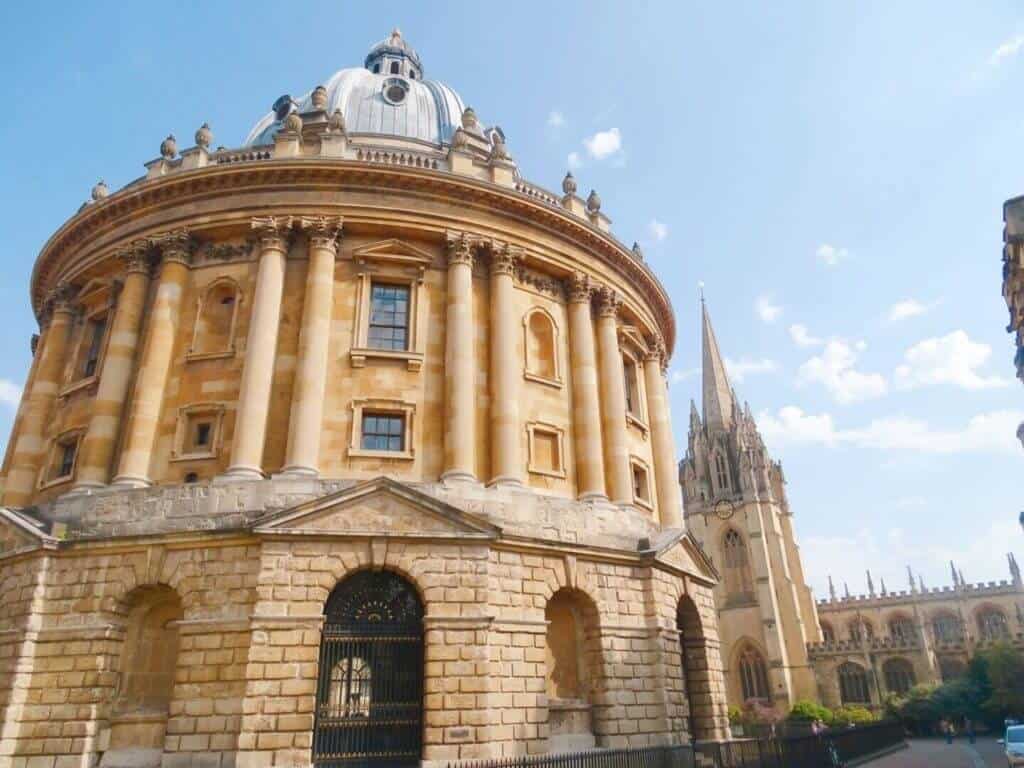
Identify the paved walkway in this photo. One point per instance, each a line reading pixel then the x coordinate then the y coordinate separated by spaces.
pixel 935 753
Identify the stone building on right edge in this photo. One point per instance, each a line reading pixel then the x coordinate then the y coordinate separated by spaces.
pixel 779 645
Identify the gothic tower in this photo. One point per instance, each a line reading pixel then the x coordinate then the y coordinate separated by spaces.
pixel 735 505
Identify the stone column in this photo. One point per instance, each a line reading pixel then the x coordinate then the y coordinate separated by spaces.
pixel 586 403
pixel 613 399
pixel 306 421
pixel 260 349
pixel 506 464
pixel 108 408
pixel 459 364
pixel 670 505
pixel 30 442
pixel 151 380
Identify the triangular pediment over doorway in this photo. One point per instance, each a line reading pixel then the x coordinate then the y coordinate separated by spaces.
pixel 19 532
pixel 678 551
pixel 379 507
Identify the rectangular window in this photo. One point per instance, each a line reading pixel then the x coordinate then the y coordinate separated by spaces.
pixel 632 398
pixel 203 431
pixel 92 344
pixel 640 489
pixel 383 432
pixel 63 459
pixel 545 446
pixel 389 317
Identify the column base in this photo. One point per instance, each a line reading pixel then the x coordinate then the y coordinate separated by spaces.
pixel 593 497
pixel 234 474
pixel 456 476
pixel 298 472
pixel 84 488
pixel 131 481
pixel 505 481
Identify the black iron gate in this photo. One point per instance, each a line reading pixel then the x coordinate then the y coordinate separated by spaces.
pixel 369 700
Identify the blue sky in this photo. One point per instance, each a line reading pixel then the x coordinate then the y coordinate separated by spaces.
pixel 832 173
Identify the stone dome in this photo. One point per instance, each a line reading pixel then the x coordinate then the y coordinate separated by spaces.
pixel 387 97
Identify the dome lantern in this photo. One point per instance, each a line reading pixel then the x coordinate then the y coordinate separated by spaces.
pixel 394 56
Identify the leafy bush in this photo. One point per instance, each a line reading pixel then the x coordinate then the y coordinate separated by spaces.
pixel 852 716
pixel 735 715
pixel 809 711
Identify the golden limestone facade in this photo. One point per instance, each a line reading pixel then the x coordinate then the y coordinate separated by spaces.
pixel 348 444
pixel 779 645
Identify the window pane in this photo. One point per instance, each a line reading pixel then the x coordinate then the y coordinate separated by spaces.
pixel 383 432
pixel 389 317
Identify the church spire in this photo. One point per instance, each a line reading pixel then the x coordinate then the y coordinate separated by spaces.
pixel 716 392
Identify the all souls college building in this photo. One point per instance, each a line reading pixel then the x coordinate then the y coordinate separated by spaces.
pixel 349 444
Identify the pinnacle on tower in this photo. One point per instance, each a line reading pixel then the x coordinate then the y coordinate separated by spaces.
pixel 831 588
pixel 920 580
pixel 871 585
pixel 952 568
pixel 716 392
pixel 910 578
pixel 1014 568
pixel 884 590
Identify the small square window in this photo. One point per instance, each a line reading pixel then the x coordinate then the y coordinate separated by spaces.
pixel 389 317
pixel 641 490
pixel 383 432
pixel 546 451
pixel 198 433
pixel 62 462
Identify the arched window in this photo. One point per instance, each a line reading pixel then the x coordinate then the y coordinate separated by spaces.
pixel 721 472
pixel 828 635
pixel 350 690
pixel 901 629
pixel 946 628
pixel 753 675
pixel 739 584
pixel 215 321
pixel 150 655
pixel 861 629
pixel 992 624
pixel 899 675
pixel 853 684
pixel 570 619
pixel 541 346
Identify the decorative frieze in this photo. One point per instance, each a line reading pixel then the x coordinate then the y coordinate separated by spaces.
pixel 540 282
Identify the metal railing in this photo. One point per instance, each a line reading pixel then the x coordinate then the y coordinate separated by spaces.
pixel 833 747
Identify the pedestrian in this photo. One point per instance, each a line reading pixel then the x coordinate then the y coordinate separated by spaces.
pixel 970 731
pixel 947 730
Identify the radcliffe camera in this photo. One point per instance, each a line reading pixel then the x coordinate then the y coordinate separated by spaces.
pixel 526 385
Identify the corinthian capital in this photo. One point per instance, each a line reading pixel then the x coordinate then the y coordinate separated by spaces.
pixel 176 246
pixel 608 302
pixel 273 231
pixel 59 299
pixel 504 258
pixel 656 352
pixel 460 248
pixel 577 285
pixel 135 257
pixel 323 231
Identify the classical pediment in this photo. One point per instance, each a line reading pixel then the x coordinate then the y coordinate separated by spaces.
pixel 393 251
pixel 681 553
pixel 380 507
pixel 19 533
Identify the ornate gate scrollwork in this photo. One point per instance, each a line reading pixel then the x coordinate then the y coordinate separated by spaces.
pixel 369 701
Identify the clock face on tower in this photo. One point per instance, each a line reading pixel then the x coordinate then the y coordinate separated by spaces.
pixel 724 509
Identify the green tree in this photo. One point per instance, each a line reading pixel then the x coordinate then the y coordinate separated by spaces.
pixel 809 711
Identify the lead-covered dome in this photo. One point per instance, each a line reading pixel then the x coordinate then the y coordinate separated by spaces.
pixel 388 97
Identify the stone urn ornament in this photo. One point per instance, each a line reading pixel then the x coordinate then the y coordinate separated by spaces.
pixel 204 136
pixel 169 147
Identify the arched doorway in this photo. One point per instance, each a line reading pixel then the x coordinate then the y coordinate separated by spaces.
pixel 695 667
pixel 369 700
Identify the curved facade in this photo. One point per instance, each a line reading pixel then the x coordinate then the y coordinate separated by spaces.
pixel 352 344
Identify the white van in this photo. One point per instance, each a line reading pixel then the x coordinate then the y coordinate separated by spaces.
pixel 1014 742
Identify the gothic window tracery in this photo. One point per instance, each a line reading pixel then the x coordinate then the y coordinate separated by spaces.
pixel 861 629
pixel 828 635
pixel 901 628
pixel 853 684
pixel 721 472
pixel 992 624
pixel 946 628
pixel 753 675
pixel 899 675
pixel 739 583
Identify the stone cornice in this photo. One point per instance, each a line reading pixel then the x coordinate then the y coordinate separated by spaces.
pixel 146 197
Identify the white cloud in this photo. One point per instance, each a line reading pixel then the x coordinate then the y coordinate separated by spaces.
pixel 1008 49
pixel 834 369
pixel 766 310
pixel 802 337
pixel 573 160
pixel 677 376
pixel 950 359
pixel 740 369
pixel 603 143
pixel 657 230
pixel 555 119
pixel 831 255
pixel 901 310
pixel 10 393
pixel 986 433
